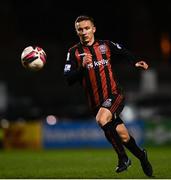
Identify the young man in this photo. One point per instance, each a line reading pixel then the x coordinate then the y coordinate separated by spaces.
pixel 90 62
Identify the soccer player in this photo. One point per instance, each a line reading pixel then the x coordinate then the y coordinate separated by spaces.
pixel 91 62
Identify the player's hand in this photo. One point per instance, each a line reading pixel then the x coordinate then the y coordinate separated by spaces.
pixel 142 64
pixel 87 59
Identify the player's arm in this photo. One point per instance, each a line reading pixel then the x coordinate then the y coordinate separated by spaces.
pixel 72 71
pixel 120 50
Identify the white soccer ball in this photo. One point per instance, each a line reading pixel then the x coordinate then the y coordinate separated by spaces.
pixel 33 58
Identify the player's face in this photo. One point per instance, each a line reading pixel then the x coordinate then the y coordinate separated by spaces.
pixel 85 30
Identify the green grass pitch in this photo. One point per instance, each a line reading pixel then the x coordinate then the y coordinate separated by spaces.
pixel 79 164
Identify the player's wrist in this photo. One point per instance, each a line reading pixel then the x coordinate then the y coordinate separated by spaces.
pixel 84 62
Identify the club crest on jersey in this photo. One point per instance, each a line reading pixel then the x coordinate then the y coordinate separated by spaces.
pixel 102 49
pixel 107 103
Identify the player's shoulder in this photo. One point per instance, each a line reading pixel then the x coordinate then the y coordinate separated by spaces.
pixel 107 42
pixel 74 47
pixel 115 44
pixel 111 42
pixel 103 41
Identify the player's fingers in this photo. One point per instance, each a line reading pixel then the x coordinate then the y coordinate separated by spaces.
pixel 145 66
pixel 86 60
pixel 138 64
pixel 88 57
pixel 142 64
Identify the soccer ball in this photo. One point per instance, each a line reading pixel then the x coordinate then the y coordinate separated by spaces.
pixel 33 58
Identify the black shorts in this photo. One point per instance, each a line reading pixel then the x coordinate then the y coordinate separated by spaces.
pixel 115 104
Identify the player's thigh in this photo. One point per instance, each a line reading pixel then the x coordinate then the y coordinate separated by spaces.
pixel 103 116
pixel 115 104
pixel 123 132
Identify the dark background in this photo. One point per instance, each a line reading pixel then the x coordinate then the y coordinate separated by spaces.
pixel 138 25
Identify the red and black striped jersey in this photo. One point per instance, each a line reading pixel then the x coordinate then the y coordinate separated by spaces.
pixel 97 77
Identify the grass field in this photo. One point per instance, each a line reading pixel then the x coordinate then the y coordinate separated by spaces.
pixel 79 164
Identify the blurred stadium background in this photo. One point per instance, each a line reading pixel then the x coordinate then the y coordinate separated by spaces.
pixel 39 111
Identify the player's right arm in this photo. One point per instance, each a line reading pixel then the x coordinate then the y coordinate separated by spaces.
pixel 72 71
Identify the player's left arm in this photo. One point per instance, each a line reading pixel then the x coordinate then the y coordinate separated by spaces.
pixel 129 56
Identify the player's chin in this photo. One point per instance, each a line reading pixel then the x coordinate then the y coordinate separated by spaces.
pixel 85 40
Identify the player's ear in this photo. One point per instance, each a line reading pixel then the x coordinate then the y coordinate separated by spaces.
pixel 76 31
pixel 94 29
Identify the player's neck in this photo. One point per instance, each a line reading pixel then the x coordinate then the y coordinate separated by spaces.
pixel 89 43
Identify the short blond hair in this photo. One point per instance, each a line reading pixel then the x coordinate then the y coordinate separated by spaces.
pixel 83 18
